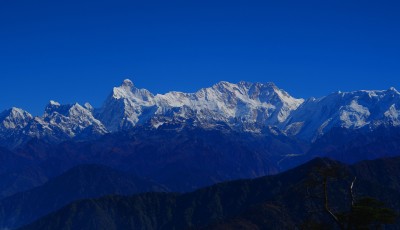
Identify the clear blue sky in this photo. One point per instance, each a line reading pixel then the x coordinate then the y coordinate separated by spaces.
pixel 78 50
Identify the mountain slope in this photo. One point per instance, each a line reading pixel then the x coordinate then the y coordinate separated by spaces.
pixel 84 181
pixel 12 123
pixel 250 204
pixel 353 146
pixel 191 158
pixel 185 160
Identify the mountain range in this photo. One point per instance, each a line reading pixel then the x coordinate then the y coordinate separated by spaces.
pixel 182 142
pixel 242 107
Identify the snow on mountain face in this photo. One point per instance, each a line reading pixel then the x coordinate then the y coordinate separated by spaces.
pixel 125 106
pixel 13 123
pixel 234 104
pixel 14 118
pixel 71 120
pixel 231 104
pixel 248 107
pixel 59 122
pixel 351 110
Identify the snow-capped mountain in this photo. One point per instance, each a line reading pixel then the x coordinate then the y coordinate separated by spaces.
pixel 251 107
pixel 72 120
pixel 352 110
pixel 244 107
pixel 125 107
pixel 12 126
pixel 59 122
pixel 14 119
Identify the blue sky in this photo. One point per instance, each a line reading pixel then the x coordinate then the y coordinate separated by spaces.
pixel 76 51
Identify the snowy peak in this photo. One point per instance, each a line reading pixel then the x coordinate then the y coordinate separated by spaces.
pixel 272 104
pixel 88 106
pixel 127 83
pixel 15 113
pixel 352 110
pixel 14 118
pixel 53 103
pixel 55 107
pixel 123 108
pixel 392 89
pixel 58 123
pixel 128 91
pixel 71 119
pixel 68 110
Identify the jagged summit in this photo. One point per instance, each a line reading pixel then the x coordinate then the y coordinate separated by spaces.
pixel 14 118
pixel 394 90
pixel 14 111
pixel 127 90
pixel 58 123
pixel 53 103
pixel 88 106
pixel 52 106
pixel 128 83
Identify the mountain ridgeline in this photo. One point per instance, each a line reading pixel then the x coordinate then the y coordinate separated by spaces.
pixel 183 161
pixel 284 201
pixel 83 181
pixel 242 107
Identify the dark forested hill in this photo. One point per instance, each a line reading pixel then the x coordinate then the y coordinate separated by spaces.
pixel 285 201
pixel 84 181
